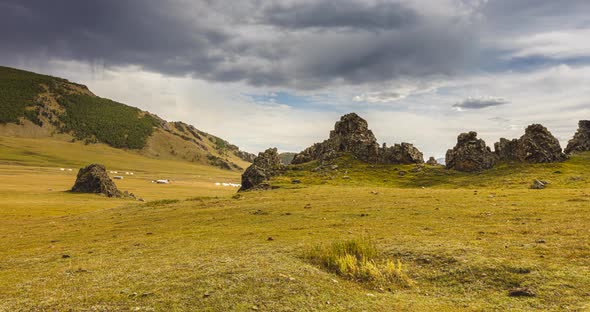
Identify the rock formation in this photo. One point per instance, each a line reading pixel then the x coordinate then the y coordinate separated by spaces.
pixel 352 135
pixel 404 153
pixel 506 150
pixel 94 179
pixel 265 166
pixel 432 161
pixel 538 145
pixel 470 154
pixel 581 140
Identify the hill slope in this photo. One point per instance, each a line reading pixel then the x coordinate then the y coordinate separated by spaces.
pixel 34 105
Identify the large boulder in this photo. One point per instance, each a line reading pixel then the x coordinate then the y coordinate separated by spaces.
pixel 351 134
pixel 94 179
pixel 506 150
pixel 470 154
pixel 404 153
pixel 265 166
pixel 538 145
pixel 581 140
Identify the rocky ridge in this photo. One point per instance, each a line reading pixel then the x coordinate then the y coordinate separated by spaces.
pixel 351 135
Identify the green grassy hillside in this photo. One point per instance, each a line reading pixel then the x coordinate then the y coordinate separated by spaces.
pixel 569 174
pixel 58 106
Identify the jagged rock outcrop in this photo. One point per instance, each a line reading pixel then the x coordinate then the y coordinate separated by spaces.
pixel 470 154
pixel 538 145
pixel 432 161
pixel 94 179
pixel 581 140
pixel 265 166
pixel 404 153
pixel 352 135
pixel 506 150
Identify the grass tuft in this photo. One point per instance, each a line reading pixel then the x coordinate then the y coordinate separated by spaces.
pixel 359 260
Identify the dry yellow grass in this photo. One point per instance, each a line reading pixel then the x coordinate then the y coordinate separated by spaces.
pixel 209 250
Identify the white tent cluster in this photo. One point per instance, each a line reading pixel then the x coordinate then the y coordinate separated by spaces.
pixel 64 169
pixel 126 172
pixel 228 184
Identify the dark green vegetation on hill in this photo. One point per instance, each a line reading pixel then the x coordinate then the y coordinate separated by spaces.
pixel 113 123
pixel 18 92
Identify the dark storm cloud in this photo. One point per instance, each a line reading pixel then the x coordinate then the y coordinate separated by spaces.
pixel 480 103
pixel 295 44
pixel 340 14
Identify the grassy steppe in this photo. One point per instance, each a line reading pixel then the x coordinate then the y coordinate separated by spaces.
pixel 464 239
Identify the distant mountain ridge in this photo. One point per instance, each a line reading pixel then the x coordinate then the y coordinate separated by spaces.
pixel 39 105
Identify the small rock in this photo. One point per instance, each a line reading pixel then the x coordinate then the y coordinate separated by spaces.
pixel 334 167
pixel 364 214
pixel 141 199
pixel 540 241
pixel 402 173
pixel 521 292
pixel 65 256
pixel 308 206
pixel 296 181
pixel 374 192
pixel 538 185
pixel 270 238
pixel 346 177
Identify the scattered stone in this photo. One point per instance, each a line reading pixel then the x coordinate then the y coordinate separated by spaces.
pixel 581 140
pixel 521 292
pixel 416 169
pixel 538 185
pixel 94 179
pixel 432 161
pixel 470 154
pixel 265 166
pixel 364 214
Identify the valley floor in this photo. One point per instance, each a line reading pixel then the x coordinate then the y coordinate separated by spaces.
pixel 194 246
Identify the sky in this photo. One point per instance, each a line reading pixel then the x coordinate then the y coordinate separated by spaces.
pixel 262 73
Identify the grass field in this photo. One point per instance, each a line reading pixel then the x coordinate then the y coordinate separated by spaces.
pixel 464 240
